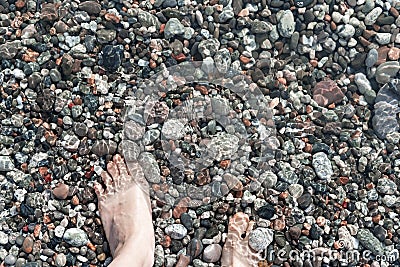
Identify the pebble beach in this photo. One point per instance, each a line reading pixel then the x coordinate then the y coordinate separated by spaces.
pixel 302 130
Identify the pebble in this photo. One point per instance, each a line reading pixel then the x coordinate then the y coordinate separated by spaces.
pixel 327 92
pixel 386 186
pixel 322 166
pixel 373 15
pixel 176 231
pixel 3 238
pixel 212 253
pixel 370 242
pixel 386 71
pixel 75 237
pixel 260 238
pixel 27 245
pixel 286 25
pixel 329 70
pixel 10 260
pixel 304 201
pixel 266 212
pixel 6 164
pixel 60 260
pixel 61 191
pixel 173 27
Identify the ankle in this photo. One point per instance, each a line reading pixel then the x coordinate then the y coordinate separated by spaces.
pixel 133 248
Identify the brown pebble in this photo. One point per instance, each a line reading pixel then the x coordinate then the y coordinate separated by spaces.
pixel 101 257
pixel 382 54
pixel 376 218
pixel 75 200
pixel 394 53
pixel 61 191
pixel 244 59
pixel 27 245
pixel 166 241
pixel 344 180
pixel 225 163
pixel 368 34
pixel 180 208
pixel 243 13
pixel 394 12
pixel 91 246
pixel 20 3
pixel 314 63
pixel 376 27
pixel 46 219
pixel 162 27
pixel 333 26
pixel 112 17
pixel 295 232
pixel 203 89
pixel 364 41
pixel 37 229
pixel 183 261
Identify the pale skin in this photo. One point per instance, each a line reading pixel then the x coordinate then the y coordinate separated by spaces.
pixel 125 211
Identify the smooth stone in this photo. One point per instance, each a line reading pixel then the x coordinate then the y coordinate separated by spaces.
pixel 346 31
pixel 267 211
pixel 260 27
pixel 150 167
pixel 383 38
pixel 304 201
pixel 105 36
pixel 269 179
pixel 75 237
pixel 212 253
pixel 327 92
pixel 222 60
pixel 386 186
pixel 372 58
pixel 260 238
pixel 194 248
pixel 91 7
pixel 370 242
pixel 286 23
pixel 10 260
pixel 61 191
pixel 27 245
pixel 288 174
pixel 148 20
pixel 386 71
pixel 173 27
pixel 60 260
pixel 296 190
pixel 372 16
pixel 362 82
pixel 104 147
pixel 208 47
pixel 3 238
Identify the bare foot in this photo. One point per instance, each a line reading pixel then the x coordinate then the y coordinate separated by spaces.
pixel 236 251
pixel 125 212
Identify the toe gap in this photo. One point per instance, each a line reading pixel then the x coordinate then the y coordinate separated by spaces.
pixel 243 235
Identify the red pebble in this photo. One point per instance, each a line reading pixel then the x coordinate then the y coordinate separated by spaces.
pixel 48 178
